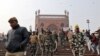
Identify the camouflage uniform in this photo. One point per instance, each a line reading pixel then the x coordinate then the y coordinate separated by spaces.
pixel 55 37
pixel 48 45
pixel 78 44
pixel 33 45
pixel 55 41
pixel 62 38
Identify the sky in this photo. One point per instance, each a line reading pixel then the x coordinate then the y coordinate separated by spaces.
pixel 24 11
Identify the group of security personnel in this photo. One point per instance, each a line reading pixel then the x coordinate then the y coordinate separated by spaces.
pixel 47 41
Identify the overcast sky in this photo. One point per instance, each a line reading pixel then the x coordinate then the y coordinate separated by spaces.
pixel 24 10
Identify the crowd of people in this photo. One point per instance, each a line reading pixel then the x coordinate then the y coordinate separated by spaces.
pixel 92 41
pixel 45 42
pixel 79 41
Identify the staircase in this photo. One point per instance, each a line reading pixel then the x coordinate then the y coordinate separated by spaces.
pixel 2 49
pixel 60 51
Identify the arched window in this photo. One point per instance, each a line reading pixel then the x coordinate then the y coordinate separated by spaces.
pixel 52 27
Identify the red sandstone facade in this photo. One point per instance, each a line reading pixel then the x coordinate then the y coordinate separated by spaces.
pixel 51 22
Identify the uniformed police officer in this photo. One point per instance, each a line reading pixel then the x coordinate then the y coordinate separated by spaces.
pixel 78 43
pixel 48 43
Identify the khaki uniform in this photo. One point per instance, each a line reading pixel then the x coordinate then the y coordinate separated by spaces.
pixel 33 45
pixel 34 39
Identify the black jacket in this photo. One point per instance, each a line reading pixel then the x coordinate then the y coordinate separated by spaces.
pixel 17 39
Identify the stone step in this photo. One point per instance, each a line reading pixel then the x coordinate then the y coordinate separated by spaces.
pixel 60 52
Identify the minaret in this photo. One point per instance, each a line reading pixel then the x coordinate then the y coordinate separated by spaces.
pixel 67 17
pixel 38 12
pixel 66 13
pixel 35 13
pixel 36 20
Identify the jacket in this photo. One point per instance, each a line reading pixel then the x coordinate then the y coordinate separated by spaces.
pixel 17 39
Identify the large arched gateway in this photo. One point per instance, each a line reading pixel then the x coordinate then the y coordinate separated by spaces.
pixel 52 22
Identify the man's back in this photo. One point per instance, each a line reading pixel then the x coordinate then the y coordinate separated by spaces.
pixel 78 40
